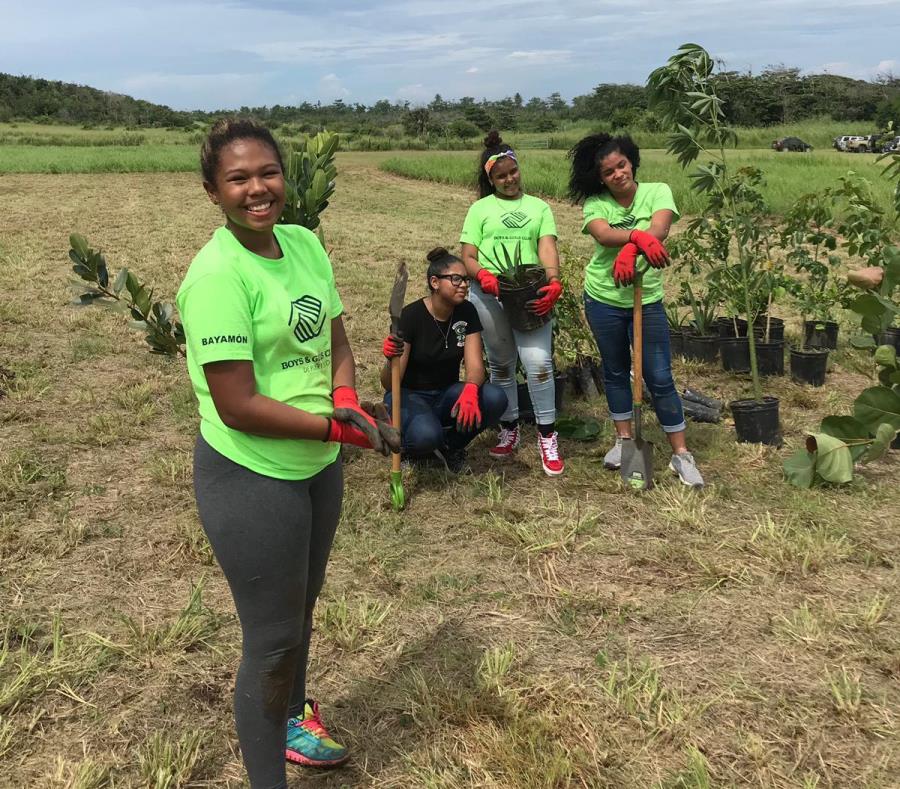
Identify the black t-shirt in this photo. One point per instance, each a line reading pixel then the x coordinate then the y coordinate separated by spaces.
pixel 437 346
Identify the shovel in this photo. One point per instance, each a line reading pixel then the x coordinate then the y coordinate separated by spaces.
pixel 637 454
pixel 398 294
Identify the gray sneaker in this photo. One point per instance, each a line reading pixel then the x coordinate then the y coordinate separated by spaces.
pixel 613 459
pixel 684 466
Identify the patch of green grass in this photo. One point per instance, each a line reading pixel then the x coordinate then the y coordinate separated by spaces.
pixel 98 159
pixel 546 173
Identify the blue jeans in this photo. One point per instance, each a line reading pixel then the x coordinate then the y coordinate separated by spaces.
pixel 612 328
pixel 426 424
pixel 504 345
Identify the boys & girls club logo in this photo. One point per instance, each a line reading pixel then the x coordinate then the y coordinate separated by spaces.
pixel 307 318
pixel 626 223
pixel 515 220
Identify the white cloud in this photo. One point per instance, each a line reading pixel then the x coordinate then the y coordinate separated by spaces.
pixel 472 70
pixel 332 87
pixel 540 57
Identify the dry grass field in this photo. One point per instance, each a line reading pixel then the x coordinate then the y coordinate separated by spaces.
pixel 506 630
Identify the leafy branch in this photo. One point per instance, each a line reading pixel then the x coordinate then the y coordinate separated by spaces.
pixel 164 334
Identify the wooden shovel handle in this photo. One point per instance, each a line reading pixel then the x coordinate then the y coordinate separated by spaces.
pixel 395 407
pixel 638 351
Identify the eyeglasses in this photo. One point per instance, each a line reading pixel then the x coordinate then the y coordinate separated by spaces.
pixel 455 279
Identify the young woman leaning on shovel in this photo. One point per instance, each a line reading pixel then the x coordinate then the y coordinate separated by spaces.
pixel 627 219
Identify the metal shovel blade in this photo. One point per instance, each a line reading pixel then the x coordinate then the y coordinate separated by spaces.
pixel 637 463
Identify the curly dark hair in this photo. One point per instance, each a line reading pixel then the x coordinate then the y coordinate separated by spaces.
pixel 586 155
pixel 224 132
pixel 492 145
pixel 439 260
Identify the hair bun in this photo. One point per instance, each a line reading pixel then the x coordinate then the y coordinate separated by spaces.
pixel 493 139
pixel 436 254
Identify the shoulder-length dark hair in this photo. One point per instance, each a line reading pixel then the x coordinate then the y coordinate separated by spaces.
pixel 586 155
pixel 492 146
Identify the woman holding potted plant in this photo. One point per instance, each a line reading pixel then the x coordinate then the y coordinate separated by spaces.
pixel 627 220
pixel 436 334
pixel 509 249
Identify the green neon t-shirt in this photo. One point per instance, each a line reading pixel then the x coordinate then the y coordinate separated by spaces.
pixel 236 305
pixel 493 222
pixel 598 279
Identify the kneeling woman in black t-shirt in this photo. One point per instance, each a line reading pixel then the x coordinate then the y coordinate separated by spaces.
pixel 440 412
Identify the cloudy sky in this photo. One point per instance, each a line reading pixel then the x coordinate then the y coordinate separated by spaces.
pixel 210 54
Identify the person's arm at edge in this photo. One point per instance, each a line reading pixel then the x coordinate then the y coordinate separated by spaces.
pixel 473 359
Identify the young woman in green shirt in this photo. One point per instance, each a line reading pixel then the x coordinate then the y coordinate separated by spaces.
pixel 274 375
pixel 505 218
pixel 628 219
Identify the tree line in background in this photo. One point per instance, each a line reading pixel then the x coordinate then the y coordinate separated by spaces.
pixel 777 95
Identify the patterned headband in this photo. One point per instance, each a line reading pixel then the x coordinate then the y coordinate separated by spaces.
pixel 492 160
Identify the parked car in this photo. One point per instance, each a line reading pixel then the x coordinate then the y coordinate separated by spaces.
pixel 862 144
pixel 891 145
pixel 791 144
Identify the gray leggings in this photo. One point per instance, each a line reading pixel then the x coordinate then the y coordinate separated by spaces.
pixel 504 344
pixel 272 538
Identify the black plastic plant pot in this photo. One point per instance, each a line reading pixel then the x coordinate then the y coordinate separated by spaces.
pixel 701 347
pixel 770 358
pixel 776 328
pixel 735 353
pixel 514 298
pixel 526 409
pixel 726 327
pixel 676 342
pixel 891 336
pixel 808 366
pixel 820 334
pixel 756 421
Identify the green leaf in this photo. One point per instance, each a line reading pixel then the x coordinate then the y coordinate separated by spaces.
pixel 800 469
pixel 80 245
pixel 863 341
pixel 849 430
pixel 883 437
pixel 871 324
pixel 577 428
pixel 834 463
pixel 878 404
pixel 120 280
pixel 867 304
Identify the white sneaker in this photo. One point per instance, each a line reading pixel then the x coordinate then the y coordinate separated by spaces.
pixel 507 442
pixel 613 459
pixel 550 459
pixel 684 466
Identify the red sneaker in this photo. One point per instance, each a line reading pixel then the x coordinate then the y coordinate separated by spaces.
pixel 550 459
pixel 507 442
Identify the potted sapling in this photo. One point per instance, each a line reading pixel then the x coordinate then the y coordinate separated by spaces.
pixel 683 95
pixel 519 284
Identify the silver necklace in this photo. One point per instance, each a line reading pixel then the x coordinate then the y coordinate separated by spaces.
pixel 444 334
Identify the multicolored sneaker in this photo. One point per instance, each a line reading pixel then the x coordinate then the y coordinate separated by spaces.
pixel 507 442
pixel 550 459
pixel 309 743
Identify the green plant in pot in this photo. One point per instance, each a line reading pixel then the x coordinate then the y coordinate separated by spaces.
pixel 683 95
pixel 701 342
pixel 519 284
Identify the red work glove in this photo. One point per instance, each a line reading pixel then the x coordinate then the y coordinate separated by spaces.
pixel 623 267
pixel 650 247
pixel 345 399
pixel 488 282
pixel 545 303
pixel 346 433
pixel 392 346
pixel 466 410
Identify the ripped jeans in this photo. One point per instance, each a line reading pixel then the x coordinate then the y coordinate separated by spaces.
pixel 504 345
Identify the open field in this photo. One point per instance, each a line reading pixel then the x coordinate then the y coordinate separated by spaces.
pixel 507 630
pixel 546 173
